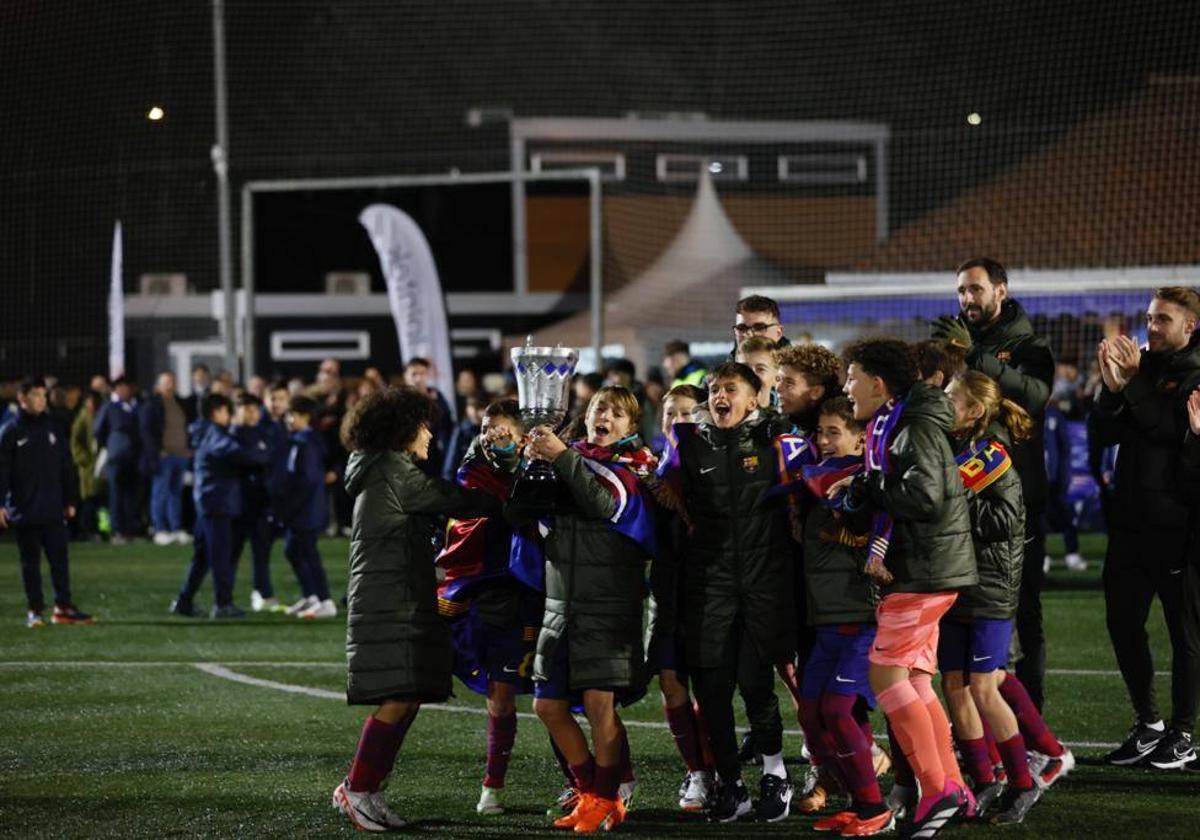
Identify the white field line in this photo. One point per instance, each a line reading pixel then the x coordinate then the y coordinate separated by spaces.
pixel 219 670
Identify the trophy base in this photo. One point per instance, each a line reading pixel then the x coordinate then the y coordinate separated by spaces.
pixel 538 488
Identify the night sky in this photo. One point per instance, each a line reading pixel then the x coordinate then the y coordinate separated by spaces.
pixel 345 88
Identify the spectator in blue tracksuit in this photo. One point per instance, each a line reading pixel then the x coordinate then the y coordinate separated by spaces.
pixel 38 492
pixel 255 524
pixel 162 422
pixel 117 432
pixel 300 503
pixel 220 460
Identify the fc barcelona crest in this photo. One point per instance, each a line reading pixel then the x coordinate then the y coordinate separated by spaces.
pixel 750 463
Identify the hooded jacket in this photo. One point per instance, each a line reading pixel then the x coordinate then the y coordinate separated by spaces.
pixel 998 533
pixel 930 549
pixel 1148 420
pixel 397 646
pixel 221 461
pixel 740 552
pixel 1023 366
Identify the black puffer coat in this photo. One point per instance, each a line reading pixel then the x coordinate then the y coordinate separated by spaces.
pixel 397 646
pixel 595 588
pixel 1023 366
pixel 998 530
pixel 930 549
pixel 740 557
pixel 837 590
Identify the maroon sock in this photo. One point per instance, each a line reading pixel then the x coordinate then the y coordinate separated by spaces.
pixel 563 764
pixel 1037 734
pixel 584 775
pixel 502 732
pixel 625 763
pixel 900 767
pixel 862 714
pixel 816 736
pixel 376 754
pixel 682 722
pixel 975 756
pixel 607 780
pixel 990 739
pixel 853 750
pixel 1016 762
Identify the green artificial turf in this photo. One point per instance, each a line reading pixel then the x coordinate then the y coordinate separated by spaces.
pixel 163 748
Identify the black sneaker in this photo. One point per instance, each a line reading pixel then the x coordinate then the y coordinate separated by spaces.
pixel 775 798
pixel 747 752
pixel 732 801
pixel 1173 751
pixel 985 795
pixel 184 608
pixel 227 611
pixel 938 815
pixel 1140 742
pixel 1015 804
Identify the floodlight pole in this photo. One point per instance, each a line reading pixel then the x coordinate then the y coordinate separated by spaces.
pixel 220 159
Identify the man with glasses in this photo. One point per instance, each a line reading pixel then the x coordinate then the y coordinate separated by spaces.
pixel 757 315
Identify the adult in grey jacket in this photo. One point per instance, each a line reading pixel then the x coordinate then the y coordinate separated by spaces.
pixel 398 649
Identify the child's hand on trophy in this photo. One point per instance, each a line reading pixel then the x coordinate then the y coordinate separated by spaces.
pixel 544 444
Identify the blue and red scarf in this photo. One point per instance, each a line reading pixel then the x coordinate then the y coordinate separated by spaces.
pixel 981 463
pixel 818 478
pixel 881 433
pixel 621 470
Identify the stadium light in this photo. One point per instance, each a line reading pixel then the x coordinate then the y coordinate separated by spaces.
pixel 155 114
pixel 973 118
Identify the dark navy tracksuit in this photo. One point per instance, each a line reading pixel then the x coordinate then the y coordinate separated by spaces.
pixel 116 430
pixel 300 503
pixel 256 523
pixel 220 459
pixel 37 482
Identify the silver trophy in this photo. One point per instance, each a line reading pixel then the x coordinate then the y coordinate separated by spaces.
pixel 543 391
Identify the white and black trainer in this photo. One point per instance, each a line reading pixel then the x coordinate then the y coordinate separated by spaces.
pixel 1140 742
pixel 731 802
pixel 775 798
pixel 367 811
pixel 1173 751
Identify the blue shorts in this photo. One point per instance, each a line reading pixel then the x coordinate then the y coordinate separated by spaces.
pixel 974 645
pixel 838 662
pixel 666 653
pixel 508 655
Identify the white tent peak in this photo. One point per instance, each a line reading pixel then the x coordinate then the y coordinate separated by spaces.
pixel 706 244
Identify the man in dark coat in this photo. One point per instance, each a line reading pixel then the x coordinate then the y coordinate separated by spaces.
pixel 738 611
pixel 38 490
pixel 999 341
pixel 1142 408
pixel 117 432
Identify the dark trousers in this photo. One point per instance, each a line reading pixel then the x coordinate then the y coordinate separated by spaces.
pixel 197 568
pixel 300 548
pixel 260 532
pixel 1031 667
pixel 123 478
pixel 1138 566
pixel 31 540
pixel 743 668
pixel 1060 516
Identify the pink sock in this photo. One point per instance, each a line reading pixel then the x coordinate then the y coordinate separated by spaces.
pixel 909 719
pixel 923 683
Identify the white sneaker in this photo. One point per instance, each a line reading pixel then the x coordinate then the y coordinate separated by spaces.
pixel 182 537
pixel 625 793
pixel 491 801
pixel 260 604
pixel 162 538
pixel 1046 564
pixel 301 605
pixel 320 609
pixel 1075 562
pixel 697 788
pixel 367 811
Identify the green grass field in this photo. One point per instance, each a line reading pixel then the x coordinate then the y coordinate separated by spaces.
pixel 115 730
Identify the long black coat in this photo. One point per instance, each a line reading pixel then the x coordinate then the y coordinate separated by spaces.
pixel 740 556
pixel 397 646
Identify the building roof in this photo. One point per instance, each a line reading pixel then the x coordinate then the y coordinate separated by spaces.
pixel 1118 189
